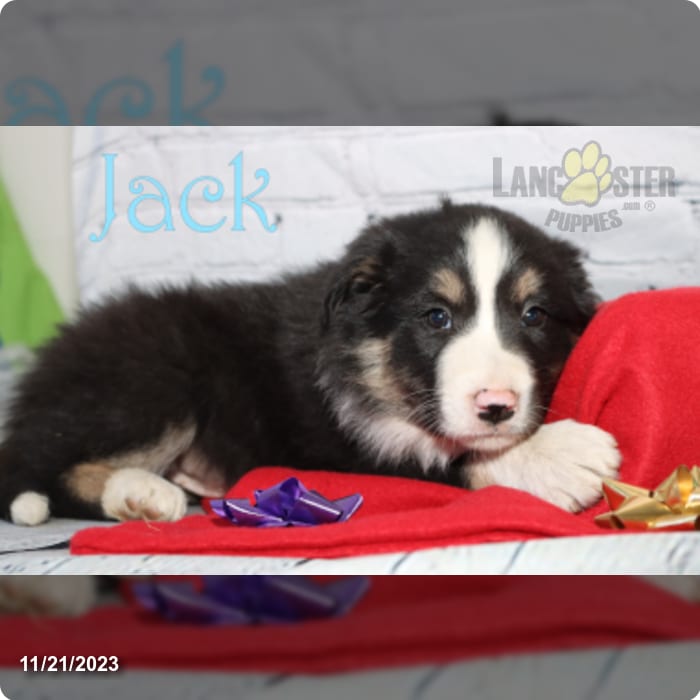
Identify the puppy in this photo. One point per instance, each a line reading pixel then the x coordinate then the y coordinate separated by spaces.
pixel 430 349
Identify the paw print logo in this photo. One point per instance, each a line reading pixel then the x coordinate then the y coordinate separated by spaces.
pixel 588 174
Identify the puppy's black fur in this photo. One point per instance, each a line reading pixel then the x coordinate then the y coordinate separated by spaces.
pixel 259 369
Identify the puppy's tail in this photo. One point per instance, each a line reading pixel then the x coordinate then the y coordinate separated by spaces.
pixel 22 497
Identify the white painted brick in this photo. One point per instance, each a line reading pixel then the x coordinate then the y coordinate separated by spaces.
pixel 310 235
pixel 325 182
pixel 434 161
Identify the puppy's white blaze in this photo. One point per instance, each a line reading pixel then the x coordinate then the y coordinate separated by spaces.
pixel 476 359
pixel 488 256
pixel 29 508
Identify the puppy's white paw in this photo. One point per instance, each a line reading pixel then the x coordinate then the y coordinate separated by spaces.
pixel 563 463
pixel 30 508
pixel 135 494
pixel 47 595
pixel 574 459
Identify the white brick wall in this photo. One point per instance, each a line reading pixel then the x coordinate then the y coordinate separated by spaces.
pixel 326 181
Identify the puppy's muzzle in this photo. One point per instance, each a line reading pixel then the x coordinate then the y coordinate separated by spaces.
pixel 495 406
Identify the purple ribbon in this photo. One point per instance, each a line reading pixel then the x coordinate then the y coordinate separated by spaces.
pixel 246 600
pixel 287 503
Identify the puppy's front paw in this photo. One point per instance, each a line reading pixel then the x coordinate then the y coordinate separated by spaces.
pixel 563 463
pixel 135 494
pixel 574 459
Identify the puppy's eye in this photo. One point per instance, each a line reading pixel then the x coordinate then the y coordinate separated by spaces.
pixel 534 317
pixel 440 319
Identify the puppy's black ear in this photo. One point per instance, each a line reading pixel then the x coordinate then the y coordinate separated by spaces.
pixel 361 284
pixel 585 300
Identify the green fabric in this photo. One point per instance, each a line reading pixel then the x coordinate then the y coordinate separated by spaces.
pixel 29 312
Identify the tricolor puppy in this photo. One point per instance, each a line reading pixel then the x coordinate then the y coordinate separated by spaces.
pixel 431 349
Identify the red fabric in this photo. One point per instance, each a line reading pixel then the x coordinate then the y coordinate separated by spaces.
pixel 401 622
pixel 397 515
pixel 633 373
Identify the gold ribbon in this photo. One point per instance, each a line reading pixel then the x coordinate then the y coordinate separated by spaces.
pixel 673 505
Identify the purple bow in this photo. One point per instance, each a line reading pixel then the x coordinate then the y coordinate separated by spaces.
pixel 245 600
pixel 287 503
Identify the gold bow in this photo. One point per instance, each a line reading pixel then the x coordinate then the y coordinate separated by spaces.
pixel 674 505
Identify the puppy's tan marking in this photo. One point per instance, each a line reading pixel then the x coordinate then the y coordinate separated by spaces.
pixel 376 374
pixel 448 285
pixel 526 285
pixel 366 272
pixel 87 481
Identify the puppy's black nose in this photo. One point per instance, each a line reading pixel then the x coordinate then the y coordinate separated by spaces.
pixel 496 413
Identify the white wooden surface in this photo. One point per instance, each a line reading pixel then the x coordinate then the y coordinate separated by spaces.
pixel 672 553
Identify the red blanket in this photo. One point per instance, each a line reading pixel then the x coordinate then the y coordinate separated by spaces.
pixel 633 373
pixel 402 621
